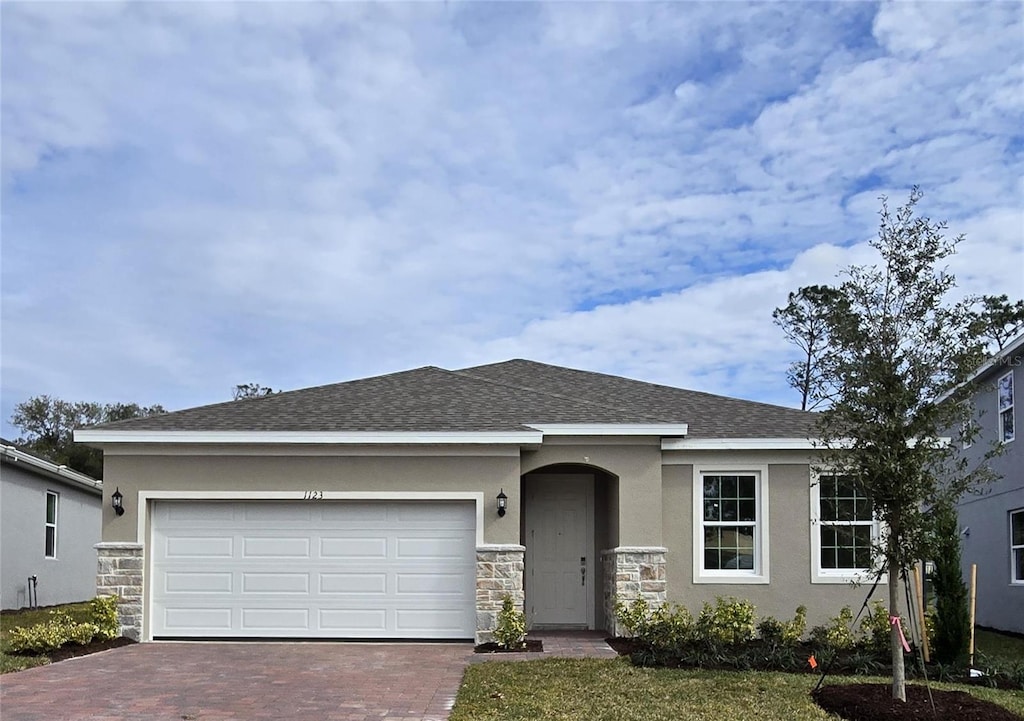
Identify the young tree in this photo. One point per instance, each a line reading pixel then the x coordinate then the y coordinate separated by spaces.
pixel 804 322
pixel 952 617
pixel 897 347
pixel 48 424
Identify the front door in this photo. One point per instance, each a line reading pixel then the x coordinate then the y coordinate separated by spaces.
pixel 559 539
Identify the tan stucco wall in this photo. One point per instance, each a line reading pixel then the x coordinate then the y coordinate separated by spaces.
pixel 486 474
pixel 789 549
pixel 638 468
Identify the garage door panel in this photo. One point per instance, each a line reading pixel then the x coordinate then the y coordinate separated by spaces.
pixel 351 570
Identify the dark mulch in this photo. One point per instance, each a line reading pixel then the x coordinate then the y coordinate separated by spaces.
pixel 622 645
pixel 72 650
pixel 532 645
pixel 874 702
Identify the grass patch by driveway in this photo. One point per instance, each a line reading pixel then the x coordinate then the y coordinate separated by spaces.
pixel 30 617
pixel 613 690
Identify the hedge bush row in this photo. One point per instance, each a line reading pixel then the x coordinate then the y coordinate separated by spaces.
pixel 60 629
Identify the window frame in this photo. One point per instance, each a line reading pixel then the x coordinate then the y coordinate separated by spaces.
pixel 760 573
pixel 1009 409
pixel 1015 548
pixel 836 575
pixel 50 527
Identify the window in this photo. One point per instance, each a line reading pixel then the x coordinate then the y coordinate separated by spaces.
pixel 1005 392
pixel 1017 546
pixel 730 527
pixel 843 529
pixel 51 524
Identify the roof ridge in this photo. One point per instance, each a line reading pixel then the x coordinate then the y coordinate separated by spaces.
pixel 560 396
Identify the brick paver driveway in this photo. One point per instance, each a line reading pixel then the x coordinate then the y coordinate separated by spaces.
pixel 236 681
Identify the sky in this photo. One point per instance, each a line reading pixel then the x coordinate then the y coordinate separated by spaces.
pixel 197 195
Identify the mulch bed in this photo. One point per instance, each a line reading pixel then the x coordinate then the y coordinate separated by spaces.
pixel 533 645
pixel 72 650
pixel 874 702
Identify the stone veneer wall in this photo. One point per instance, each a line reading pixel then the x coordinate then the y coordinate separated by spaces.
pixel 499 570
pixel 119 574
pixel 632 572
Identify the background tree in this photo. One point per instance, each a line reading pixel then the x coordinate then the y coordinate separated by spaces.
pixel 48 425
pixel 952 616
pixel 997 319
pixel 896 348
pixel 804 321
pixel 251 390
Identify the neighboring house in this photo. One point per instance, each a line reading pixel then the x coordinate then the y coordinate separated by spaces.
pixel 50 519
pixel 992 521
pixel 407 505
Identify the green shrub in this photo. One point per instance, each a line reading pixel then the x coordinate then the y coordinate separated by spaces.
pixel 836 634
pixel 783 633
pixel 875 627
pixel 104 615
pixel 730 620
pixel 667 627
pixel 59 629
pixel 952 619
pixel 633 617
pixel 511 629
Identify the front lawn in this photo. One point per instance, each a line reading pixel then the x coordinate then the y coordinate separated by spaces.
pixel 30 617
pixel 998 647
pixel 594 689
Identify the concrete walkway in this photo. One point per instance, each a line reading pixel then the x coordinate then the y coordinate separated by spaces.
pixel 261 681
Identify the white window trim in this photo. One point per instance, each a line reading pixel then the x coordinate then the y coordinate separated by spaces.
pixel 47 525
pixel 1014 581
pixel 834 575
pixel 760 574
pixel 1001 411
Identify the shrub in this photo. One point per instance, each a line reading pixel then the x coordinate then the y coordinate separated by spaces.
pixel 104 615
pixel 633 617
pixel 836 634
pixel 783 633
pixel 511 629
pixel 667 627
pixel 875 627
pixel 59 629
pixel 730 620
pixel 952 618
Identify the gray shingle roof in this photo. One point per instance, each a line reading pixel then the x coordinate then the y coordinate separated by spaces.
pixel 497 397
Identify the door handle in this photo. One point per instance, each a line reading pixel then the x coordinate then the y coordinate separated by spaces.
pixel 583 575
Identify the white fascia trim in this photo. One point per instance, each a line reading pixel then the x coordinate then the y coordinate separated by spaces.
pixel 610 429
pixel 740 444
pixel 53 470
pixel 313 437
pixel 144 497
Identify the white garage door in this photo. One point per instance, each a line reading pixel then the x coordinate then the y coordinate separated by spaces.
pixel 322 569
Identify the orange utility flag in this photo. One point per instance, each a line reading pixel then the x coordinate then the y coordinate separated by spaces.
pixel 812 661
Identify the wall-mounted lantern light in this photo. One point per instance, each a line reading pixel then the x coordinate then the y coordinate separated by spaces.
pixel 502 502
pixel 117 502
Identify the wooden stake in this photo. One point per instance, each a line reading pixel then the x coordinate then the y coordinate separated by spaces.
pixel 919 589
pixel 974 596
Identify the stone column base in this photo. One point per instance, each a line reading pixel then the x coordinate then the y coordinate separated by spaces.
pixel 499 571
pixel 119 573
pixel 632 572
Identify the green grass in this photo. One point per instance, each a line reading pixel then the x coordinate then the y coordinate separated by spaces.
pixel 20 619
pixel 998 647
pixel 613 690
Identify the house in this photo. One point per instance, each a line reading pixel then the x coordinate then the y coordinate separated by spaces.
pixel 407 505
pixel 50 520
pixel 992 521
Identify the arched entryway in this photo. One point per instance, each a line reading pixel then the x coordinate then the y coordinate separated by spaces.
pixel 566 521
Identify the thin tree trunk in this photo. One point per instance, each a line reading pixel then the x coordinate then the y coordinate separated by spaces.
pixel 899 674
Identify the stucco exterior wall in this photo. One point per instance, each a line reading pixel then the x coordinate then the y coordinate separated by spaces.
pixel 789 545
pixel 69 577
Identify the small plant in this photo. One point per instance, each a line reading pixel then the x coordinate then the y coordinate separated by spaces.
pixel 783 633
pixel 730 620
pixel 667 627
pixel 104 615
pixel 875 627
pixel 632 617
pixel 836 634
pixel 511 629
pixel 59 629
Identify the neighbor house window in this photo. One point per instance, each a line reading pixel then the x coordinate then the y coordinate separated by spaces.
pixel 1017 545
pixel 51 524
pixel 730 538
pixel 1005 392
pixel 843 530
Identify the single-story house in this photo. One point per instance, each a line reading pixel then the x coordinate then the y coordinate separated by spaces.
pixel 50 520
pixel 407 505
pixel 992 520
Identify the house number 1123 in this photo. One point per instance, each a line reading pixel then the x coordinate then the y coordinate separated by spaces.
pixel 312 495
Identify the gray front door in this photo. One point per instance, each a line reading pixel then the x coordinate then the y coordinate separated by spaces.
pixel 558 510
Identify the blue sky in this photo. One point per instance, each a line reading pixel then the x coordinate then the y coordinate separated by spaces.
pixel 196 195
